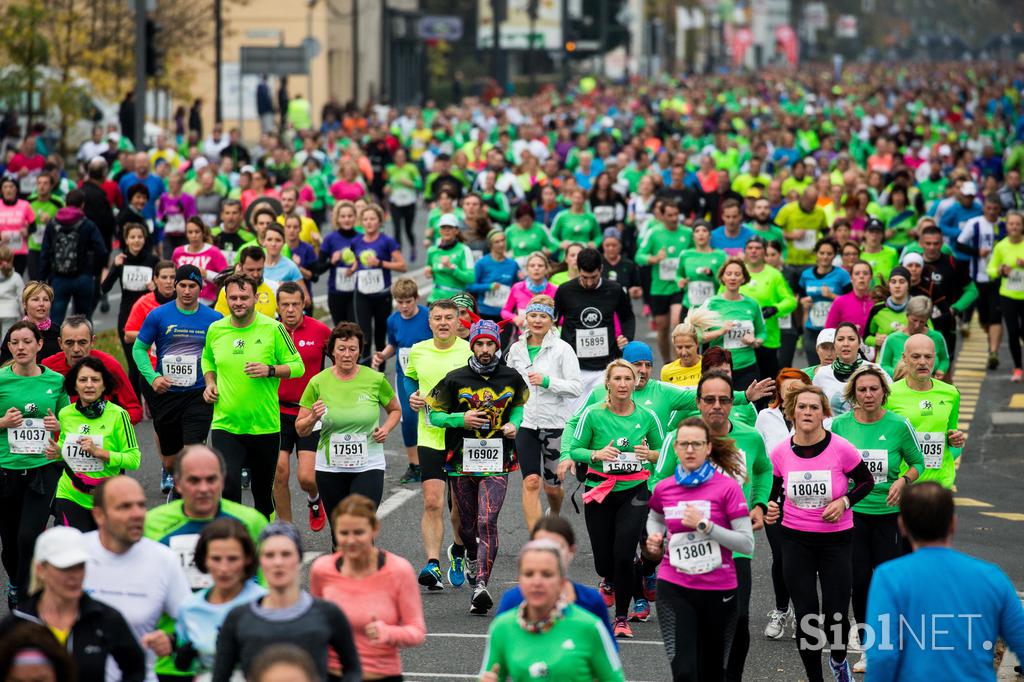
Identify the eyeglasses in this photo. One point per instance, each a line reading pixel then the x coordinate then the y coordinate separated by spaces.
pixel 687 445
pixel 720 399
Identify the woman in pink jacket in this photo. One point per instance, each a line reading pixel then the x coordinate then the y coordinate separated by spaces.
pixel 854 306
pixel 15 217
pixel 536 282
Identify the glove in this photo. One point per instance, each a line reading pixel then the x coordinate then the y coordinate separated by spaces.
pixel 769 311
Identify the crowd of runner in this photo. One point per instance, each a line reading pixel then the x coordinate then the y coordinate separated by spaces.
pixel 805 254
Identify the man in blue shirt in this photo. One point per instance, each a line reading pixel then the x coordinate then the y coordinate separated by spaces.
pixel 935 614
pixel 731 236
pixel 954 218
pixel 153 183
pixel 175 388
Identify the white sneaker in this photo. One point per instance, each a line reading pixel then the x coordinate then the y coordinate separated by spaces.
pixel 777 621
pixel 861 666
pixel 853 645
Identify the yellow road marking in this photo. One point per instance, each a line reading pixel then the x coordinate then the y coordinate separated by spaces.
pixel 1017 401
pixel 970 502
pixel 1008 516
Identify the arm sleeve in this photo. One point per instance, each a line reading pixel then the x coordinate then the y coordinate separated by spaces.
pixel 285 353
pixel 128 455
pixel 605 663
pixel 863 482
pixel 410 384
pixel 110 280
pixel 140 354
pixel 516 415
pixel 626 318
pixel 477 286
pixel 209 362
pixel 785 300
pixel 666 464
pixel 738 538
pixel 125 649
pixel 760 478
pixel 444 420
pixel 580 449
pixel 494 655
pixel 227 648
pixel 969 296
pixel 953 423
pixel 344 645
pixel 995 261
pixel 941 354
pixel 910 450
pixel 507 311
pixel 569 383
pixel 760 330
pixel 412 628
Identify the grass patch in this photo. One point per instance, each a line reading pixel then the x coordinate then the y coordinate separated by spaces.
pixel 108 342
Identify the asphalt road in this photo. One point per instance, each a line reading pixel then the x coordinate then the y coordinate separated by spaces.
pixel 990 526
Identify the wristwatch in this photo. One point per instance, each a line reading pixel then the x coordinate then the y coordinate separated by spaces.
pixel 271 370
pixel 704 526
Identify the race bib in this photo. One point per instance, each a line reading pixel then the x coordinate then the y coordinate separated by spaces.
pixel 625 463
pixel 77 459
pixel 495 298
pixel 180 370
pixel 482 455
pixel 209 219
pixel 809 489
pixel 36 238
pixel 15 241
pixel 135 277
pixel 877 462
pixel 806 242
pixel 734 337
pixel 785 322
pixel 402 196
pixel 694 553
pixel 1015 280
pixel 175 224
pixel 698 292
pixel 667 269
pixel 932 444
pixel 345 451
pixel 27 439
pixel 403 358
pixel 819 313
pixel 344 281
pixel 370 281
pixel 592 343
pixel 184 546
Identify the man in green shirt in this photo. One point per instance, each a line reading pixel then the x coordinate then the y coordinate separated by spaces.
pixel 429 362
pixel 661 251
pixel 244 359
pixel 803 222
pixel 933 409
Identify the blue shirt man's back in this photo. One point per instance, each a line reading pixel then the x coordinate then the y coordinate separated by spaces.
pixel 935 615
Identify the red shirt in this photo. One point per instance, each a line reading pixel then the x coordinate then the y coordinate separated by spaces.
pixel 123 395
pixel 310 339
pixel 142 307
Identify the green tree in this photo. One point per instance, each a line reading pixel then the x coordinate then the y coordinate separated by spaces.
pixel 26 50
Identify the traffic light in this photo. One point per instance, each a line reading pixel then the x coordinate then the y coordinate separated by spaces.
pixel 154 51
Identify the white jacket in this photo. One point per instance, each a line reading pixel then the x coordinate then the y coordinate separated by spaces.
pixel 548 408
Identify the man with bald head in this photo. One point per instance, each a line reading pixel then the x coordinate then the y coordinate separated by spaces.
pixel 139 577
pixel 933 409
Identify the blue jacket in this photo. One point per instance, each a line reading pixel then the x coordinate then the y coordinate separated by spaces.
pixel 488 271
pixel 947 609
pixel 951 222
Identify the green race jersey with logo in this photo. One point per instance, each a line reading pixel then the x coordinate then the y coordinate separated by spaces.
pixel 22 447
pixel 932 414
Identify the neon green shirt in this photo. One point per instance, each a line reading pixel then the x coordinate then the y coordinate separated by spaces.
pixel 247 405
pixel 746 316
pixel 576 227
pixel 792 218
pixel 427 365
pixel 1006 252
pixel 118 434
pixel 700 269
pixel 932 414
pixel 598 426
pixel 768 288
pixel 665 273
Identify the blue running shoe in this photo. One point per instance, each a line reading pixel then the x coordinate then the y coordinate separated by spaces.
pixel 641 610
pixel 651 587
pixel 166 481
pixel 430 577
pixel 456 568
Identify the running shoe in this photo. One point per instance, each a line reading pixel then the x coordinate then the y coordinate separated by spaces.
pixel 621 628
pixel 472 570
pixel 105 304
pixel 651 587
pixel 1017 376
pixel 166 481
pixel 607 591
pixel 430 577
pixel 412 475
pixel 993 360
pixel 840 671
pixel 641 610
pixel 317 515
pixel 777 621
pixel 861 666
pixel 246 481
pixel 456 568
pixel 482 601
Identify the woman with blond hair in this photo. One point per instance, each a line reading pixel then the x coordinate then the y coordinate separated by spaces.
pixel 36 301
pixel 687 338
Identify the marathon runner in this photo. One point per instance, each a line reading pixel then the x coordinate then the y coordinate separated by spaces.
pixel 662 250
pixel 933 409
pixel 251 261
pixel 309 336
pixel 178 330
pixel 30 398
pixel 480 408
pixel 742 320
pixel 886 443
pixel 429 362
pixel 245 357
pixel 590 307
pixel 619 440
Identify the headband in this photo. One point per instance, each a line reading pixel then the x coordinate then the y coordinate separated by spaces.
pixel 541 308
pixel 31 656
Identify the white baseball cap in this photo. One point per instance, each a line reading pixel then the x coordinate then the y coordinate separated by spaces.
pixel 61 547
pixel 826 336
pixel 969 189
pixel 448 220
